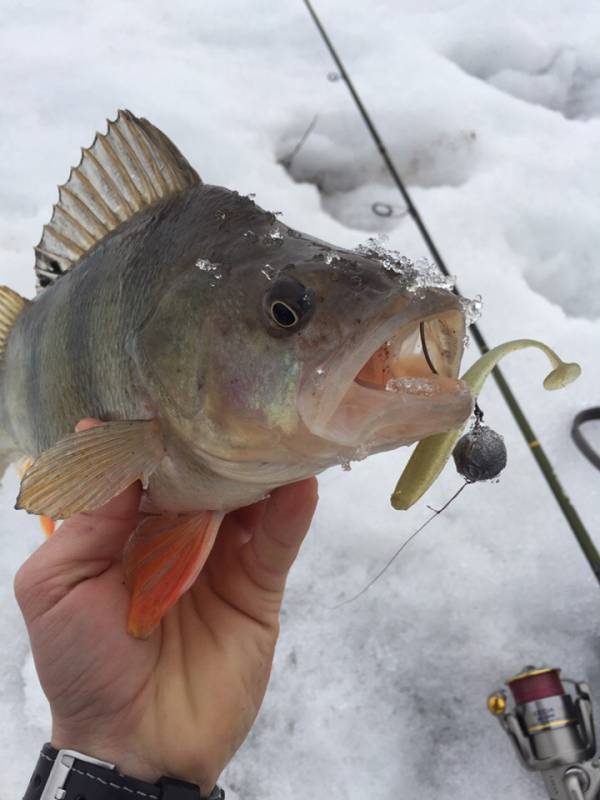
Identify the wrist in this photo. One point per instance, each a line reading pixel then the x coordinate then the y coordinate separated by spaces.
pixel 146 750
pixel 130 756
pixel 71 775
pixel 125 758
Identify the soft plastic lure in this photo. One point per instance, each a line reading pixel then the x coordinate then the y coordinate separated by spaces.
pixel 432 453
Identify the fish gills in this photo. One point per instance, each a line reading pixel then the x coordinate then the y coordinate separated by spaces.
pixel 162 560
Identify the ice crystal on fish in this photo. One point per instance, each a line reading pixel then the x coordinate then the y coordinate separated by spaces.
pixel 275 237
pixel 471 308
pixel 428 274
pixel 420 274
pixel 389 259
pixel 360 453
pixel 398 265
pixel 415 386
pixel 212 269
pixel 205 265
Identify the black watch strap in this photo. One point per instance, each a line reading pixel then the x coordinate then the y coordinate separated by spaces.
pixel 77 777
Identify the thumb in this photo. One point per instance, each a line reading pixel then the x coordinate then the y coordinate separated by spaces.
pixel 83 547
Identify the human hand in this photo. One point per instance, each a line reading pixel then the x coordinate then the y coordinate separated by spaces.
pixel 181 702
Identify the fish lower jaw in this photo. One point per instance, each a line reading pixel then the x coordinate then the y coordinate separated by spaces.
pixel 399 386
pixel 406 410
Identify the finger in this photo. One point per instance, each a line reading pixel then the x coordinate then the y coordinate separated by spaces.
pixel 274 547
pixel 83 547
pixel 250 517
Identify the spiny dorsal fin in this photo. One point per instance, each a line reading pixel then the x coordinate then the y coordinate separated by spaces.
pixel 130 167
pixel 11 305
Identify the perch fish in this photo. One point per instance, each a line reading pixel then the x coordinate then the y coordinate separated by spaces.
pixel 226 353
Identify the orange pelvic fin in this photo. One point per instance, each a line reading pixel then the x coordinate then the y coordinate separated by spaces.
pixel 162 559
pixel 48 526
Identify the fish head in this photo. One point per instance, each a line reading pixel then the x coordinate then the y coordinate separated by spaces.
pixel 308 354
pixel 331 354
pixel 382 354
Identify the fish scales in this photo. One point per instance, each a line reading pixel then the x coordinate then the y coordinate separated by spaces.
pixel 66 357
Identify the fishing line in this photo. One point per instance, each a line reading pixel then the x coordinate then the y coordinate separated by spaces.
pixel 572 517
pixel 436 513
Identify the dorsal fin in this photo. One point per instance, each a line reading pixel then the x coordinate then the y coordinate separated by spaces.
pixel 11 305
pixel 130 167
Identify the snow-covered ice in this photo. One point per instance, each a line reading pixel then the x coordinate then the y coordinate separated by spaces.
pixel 491 111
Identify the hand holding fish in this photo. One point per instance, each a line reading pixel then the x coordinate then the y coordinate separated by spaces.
pixel 181 702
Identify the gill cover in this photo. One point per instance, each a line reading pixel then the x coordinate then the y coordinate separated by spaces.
pixel 170 351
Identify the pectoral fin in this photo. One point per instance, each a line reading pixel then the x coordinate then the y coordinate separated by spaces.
pixel 48 525
pixel 86 469
pixel 162 559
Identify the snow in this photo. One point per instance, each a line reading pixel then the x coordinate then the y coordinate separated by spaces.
pixel 492 114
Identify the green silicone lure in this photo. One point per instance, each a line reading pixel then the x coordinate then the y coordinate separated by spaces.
pixel 432 453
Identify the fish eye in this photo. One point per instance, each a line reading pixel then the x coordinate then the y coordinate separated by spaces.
pixel 288 305
pixel 283 315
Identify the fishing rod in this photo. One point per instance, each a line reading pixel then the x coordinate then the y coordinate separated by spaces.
pixel 574 520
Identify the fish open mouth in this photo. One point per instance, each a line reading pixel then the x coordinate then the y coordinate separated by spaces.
pixel 397 387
